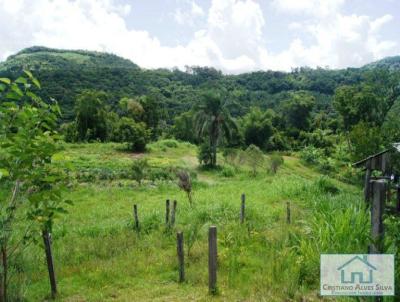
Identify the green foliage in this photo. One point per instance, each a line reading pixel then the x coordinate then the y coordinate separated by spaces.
pixel 275 161
pixel 31 186
pixel 228 171
pixel 311 155
pixel 365 140
pixel 91 117
pixel 326 185
pixel 213 121
pixel 257 128
pixel 297 111
pixel 204 154
pixel 139 170
pixel 136 135
pixel 254 157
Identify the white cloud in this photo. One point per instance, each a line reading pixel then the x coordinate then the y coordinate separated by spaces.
pixel 188 14
pixel 339 40
pixel 318 8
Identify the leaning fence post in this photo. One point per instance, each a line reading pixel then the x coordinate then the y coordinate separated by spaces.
pixel 173 211
pixel 135 216
pixel 377 209
pixel 242 208
pixel 288 219
pixel 181 256
pixel 167 212
pixel 398 199
pixel 50 263
pixel 212 260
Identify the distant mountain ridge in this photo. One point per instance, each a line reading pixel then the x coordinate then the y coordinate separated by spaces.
pixel 65 73
pixel 391 63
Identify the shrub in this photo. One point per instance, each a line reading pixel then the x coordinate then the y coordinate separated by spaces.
pixel 254 157
pixel 228 171
pixel 204 154
pixel 325 185
pixel 275 161
pixel 311 155
pixel 139 170
pixel 136 135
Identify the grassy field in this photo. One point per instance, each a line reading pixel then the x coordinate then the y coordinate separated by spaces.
pixel 100 257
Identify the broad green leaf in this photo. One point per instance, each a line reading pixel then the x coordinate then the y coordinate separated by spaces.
pixel 5 80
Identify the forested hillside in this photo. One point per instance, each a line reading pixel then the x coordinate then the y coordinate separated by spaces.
pixel 105 97
pixel 65 73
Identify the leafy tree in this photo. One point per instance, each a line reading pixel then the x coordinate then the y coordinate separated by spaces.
pixel 91 117
pixel 136 135
pixel 365 140
pixel 131 108
pixel 358 104
pixel 213 121
pixel 183 127
pixel 33 185
pixel 257 128
pixel 297 111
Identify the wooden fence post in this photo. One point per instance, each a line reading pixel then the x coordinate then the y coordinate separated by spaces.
pixel 50 263
pixel 398 199
pixel 288 219
pixel 367 182
pixel 173 211
pixel 181 256
pixel 212 260
pixel 377 209
pixel 167 212
pixel 242 208
pixel 136 217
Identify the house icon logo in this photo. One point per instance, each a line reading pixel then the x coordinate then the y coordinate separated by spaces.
pixel 357 270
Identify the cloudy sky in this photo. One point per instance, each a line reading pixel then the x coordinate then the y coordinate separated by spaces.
pixel 231 35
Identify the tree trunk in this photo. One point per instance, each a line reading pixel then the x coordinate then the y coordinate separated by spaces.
pixel 3 286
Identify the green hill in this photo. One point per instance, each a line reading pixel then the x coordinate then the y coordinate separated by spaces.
pixel 391 63
pixel 65 73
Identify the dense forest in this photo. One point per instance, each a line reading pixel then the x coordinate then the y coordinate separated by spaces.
pixel 345 114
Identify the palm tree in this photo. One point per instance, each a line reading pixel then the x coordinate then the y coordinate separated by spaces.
pixel 214 121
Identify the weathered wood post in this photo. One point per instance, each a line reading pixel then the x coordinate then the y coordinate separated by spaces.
pixel 377 209
pixel 167 212
pixel 242 208
pixel 181 256
pixel 367 181
pixel 136 217
pixel 50 263
pixel 212 260
pixel 173 211
pixel 288 219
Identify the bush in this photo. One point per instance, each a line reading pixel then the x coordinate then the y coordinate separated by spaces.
pixel 170 143
pixel 136 135
pixel 228 171
pixel 204 154
pixel 69 131
pixel 275 161
pixel 326 185
pixel 139 170
pixel 311 155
